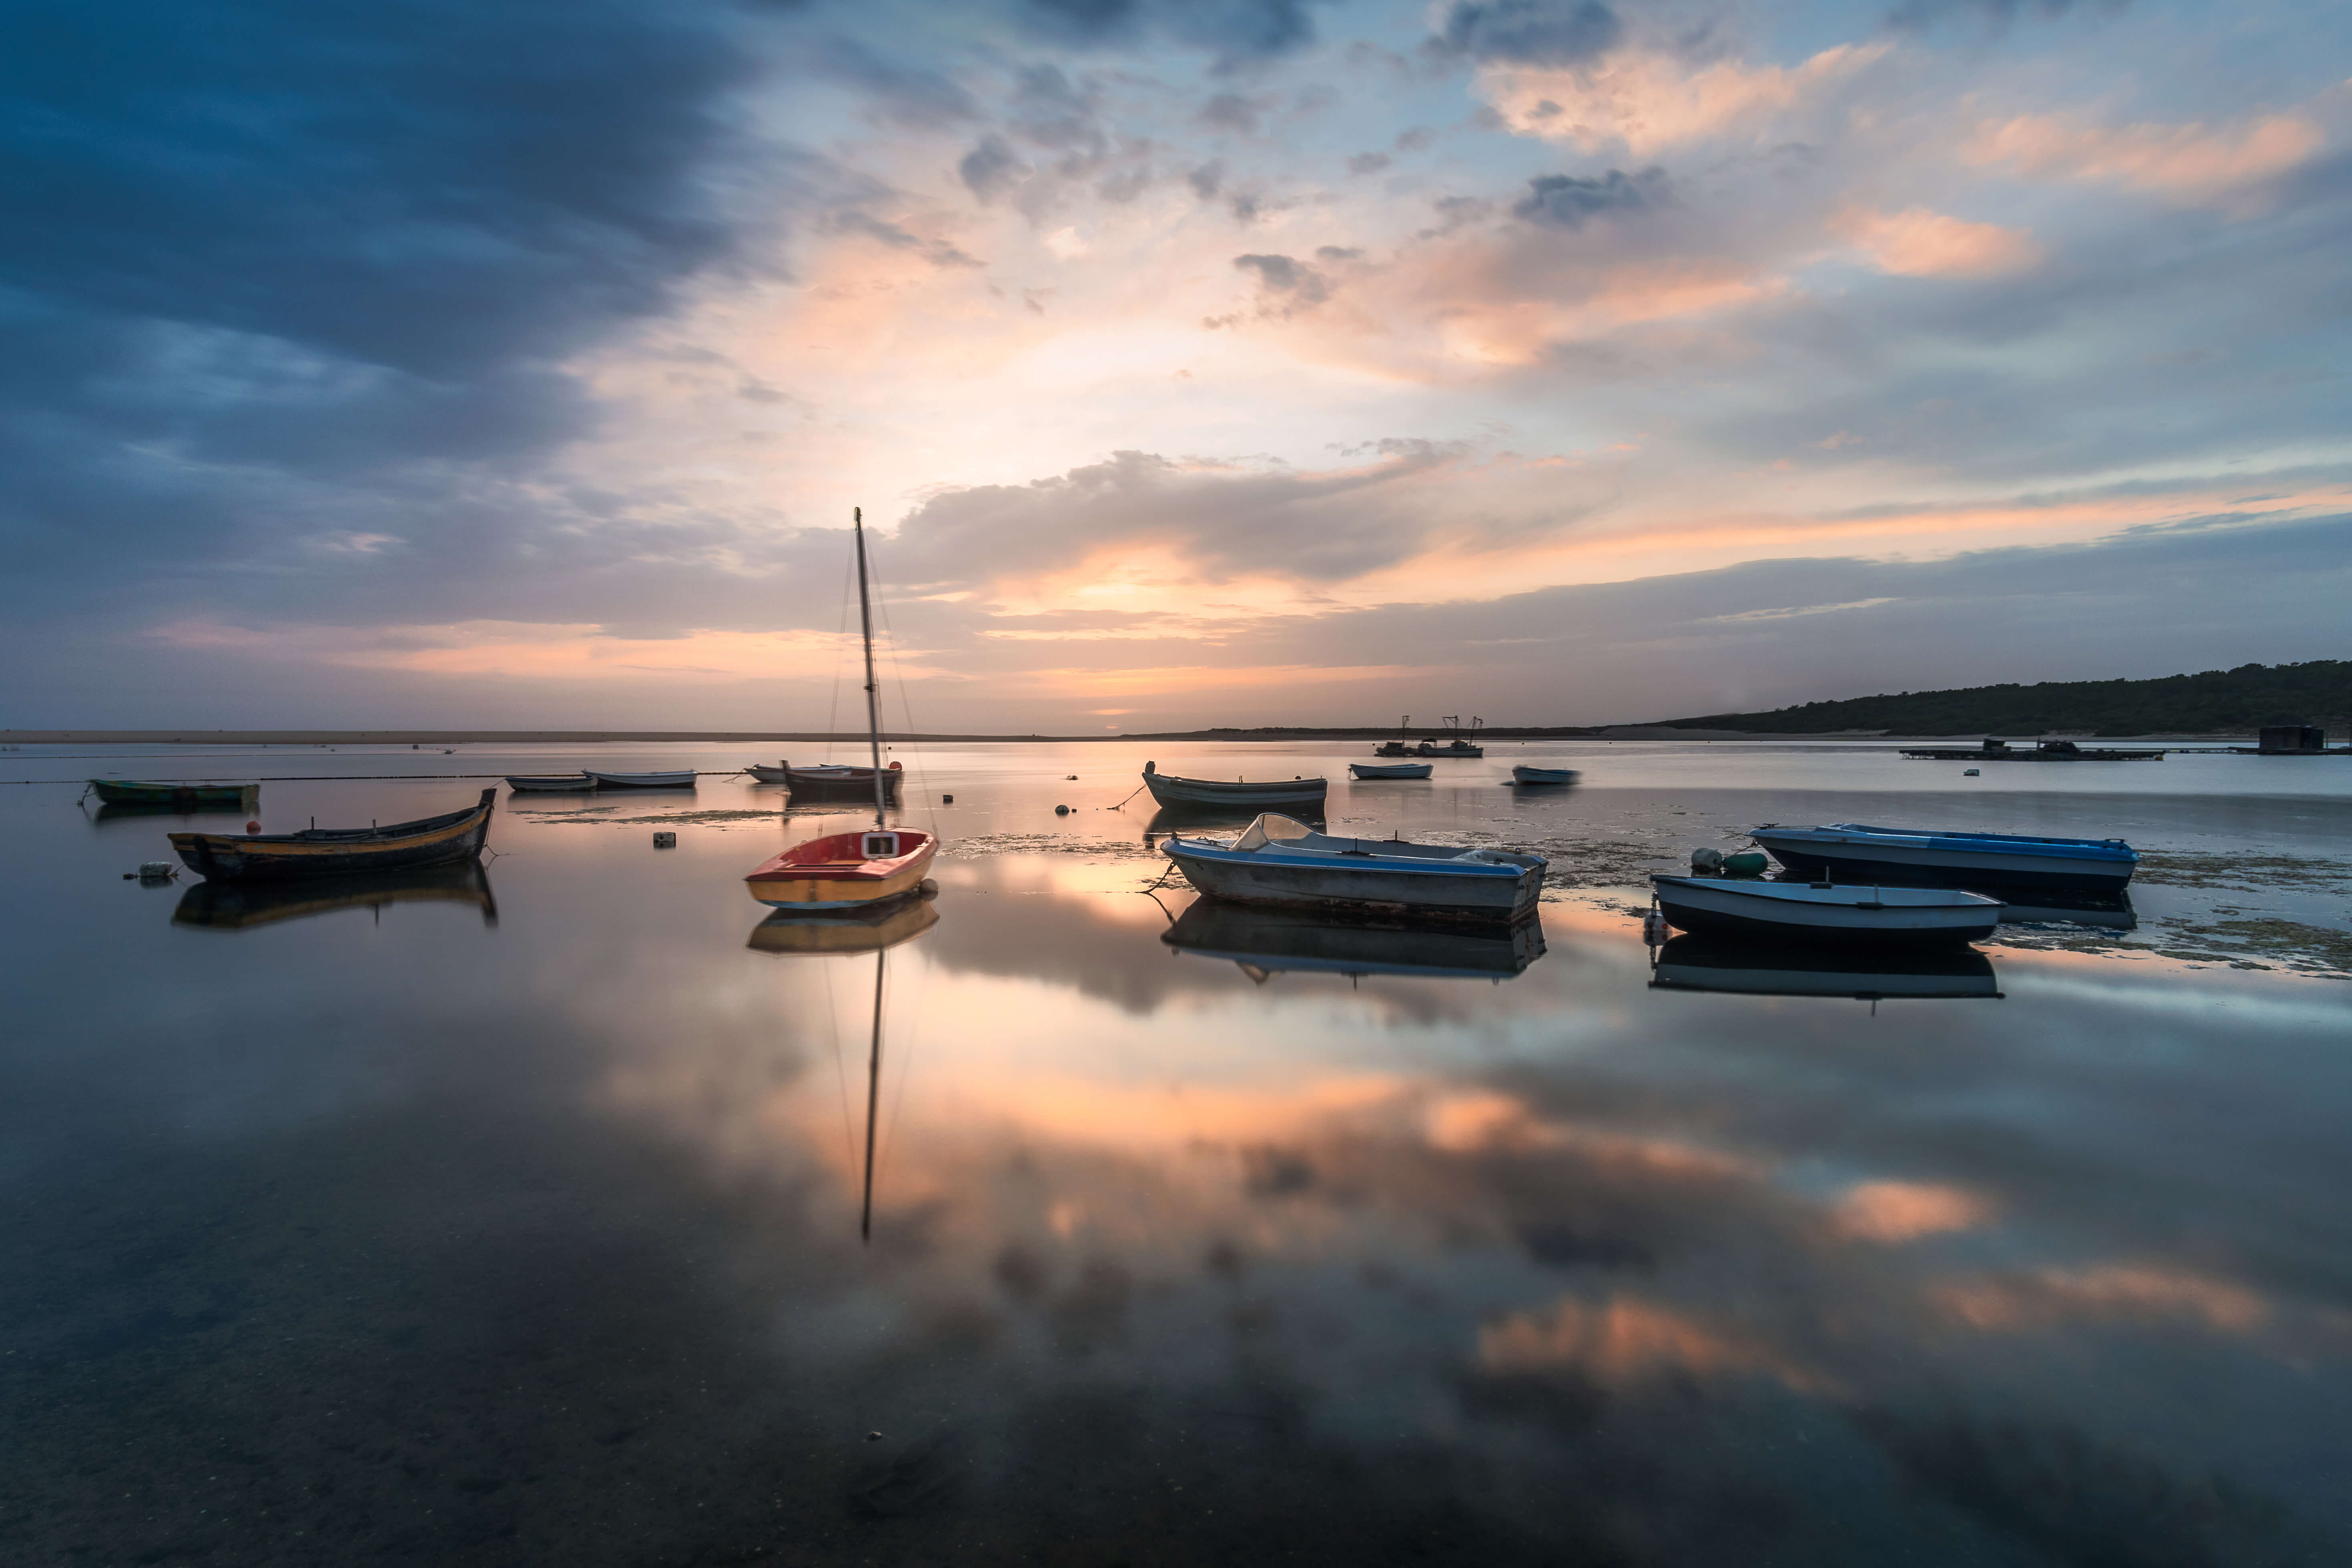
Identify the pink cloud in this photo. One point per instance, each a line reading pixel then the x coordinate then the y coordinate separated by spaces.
pixel 1904 1211
pixel 2193 163
pixel 1920 243
pixel 1652 101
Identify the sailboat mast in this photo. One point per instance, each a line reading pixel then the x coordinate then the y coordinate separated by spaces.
pixel 873 1101
pixel 873 698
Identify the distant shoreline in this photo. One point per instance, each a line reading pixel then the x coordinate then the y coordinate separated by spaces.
pixel 422 738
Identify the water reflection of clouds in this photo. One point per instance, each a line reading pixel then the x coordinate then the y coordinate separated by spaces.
pixel 1520 1219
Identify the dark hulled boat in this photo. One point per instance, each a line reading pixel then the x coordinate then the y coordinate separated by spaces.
pixel 829 782
pixel 175 795
pixel 338 851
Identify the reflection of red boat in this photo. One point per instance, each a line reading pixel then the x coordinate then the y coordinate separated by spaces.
pixel 832 933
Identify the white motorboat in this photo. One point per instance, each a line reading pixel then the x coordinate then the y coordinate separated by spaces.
pixel 1823 911
pixel 1282 862
pixel 1170 790
pixel 1523 774
pixel 1390 770
pixel 681 779
pixel 549 781
pixel 1858 852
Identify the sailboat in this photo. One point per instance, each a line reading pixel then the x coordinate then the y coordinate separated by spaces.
pixel 844 871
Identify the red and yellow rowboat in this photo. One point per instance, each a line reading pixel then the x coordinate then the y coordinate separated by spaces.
pixel 845 869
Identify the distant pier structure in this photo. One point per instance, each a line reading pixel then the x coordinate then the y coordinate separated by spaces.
pixel 1995 749
pixel 2289 740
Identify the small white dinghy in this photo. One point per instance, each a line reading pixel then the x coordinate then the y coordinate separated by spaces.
pixel 1824 911
pixel 681 779
pixel 1284 862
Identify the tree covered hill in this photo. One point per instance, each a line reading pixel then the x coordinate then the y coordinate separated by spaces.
pixel 2230 701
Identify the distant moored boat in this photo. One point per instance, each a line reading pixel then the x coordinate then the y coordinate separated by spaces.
pixel 1170 790
pixel 173 793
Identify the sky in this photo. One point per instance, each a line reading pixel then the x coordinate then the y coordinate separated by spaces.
pixel 517 364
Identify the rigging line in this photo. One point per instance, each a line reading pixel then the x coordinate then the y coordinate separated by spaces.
pixel 840 636
pixel 922 780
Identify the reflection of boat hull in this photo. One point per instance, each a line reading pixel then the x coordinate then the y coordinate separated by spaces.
pixel 339 852
pixel 1799 911
pixel 1270 941
pixel 869 928
pixel 1760 969
pixel 2027 905
pixel 1847 852
pixel 234 906
pixel 184 798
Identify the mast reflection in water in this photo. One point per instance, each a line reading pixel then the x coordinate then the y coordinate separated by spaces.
pixel 873 930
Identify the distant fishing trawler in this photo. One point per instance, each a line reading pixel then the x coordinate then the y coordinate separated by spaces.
pixel 843 870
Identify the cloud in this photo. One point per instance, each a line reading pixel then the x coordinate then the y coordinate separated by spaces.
pixel 1531 32
pixel 907 94
pixel 261 258
pixel 2188 162
pixel 1564 201
pixel 1211 521
pixel 1922 14
pixel 1647 101
pixel 1287 286
pixel 1917 243
pixel 1893 1212
pixel 992 167
pixel 1235 32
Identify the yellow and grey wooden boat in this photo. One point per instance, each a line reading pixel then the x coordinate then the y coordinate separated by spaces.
pixel 338 851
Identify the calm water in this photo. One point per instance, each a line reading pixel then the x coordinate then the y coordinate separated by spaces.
pixel 519 1219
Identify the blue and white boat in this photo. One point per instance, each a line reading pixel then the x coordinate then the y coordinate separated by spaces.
pixel 1853 852
pixel 1282 863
